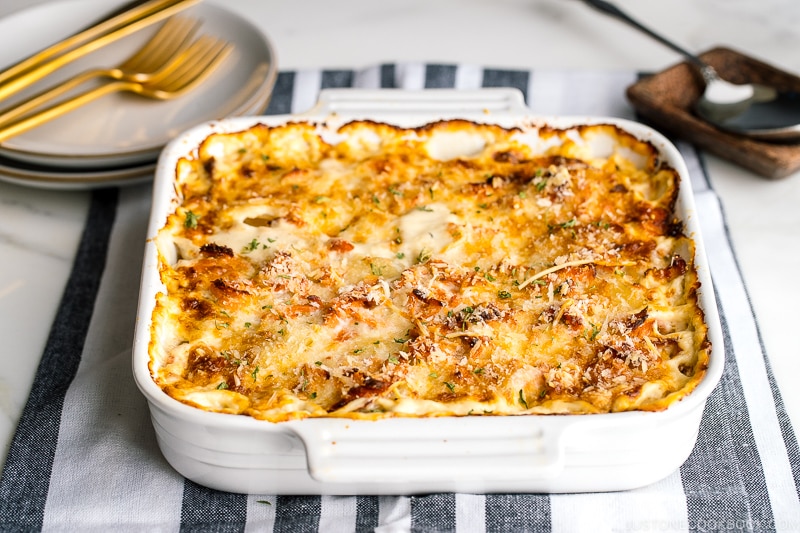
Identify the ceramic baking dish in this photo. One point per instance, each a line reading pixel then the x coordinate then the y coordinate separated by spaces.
pixel 529 453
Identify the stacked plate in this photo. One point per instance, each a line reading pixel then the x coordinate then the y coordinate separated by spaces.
pixel 117 139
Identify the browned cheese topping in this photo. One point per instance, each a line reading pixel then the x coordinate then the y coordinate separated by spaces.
pixel 449 269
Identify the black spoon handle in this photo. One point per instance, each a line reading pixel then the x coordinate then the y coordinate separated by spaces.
pixel 610 9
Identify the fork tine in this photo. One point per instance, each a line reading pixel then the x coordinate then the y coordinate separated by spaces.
pixel 172 38
pixel 197 56
pixel 179 64
pixel 197 68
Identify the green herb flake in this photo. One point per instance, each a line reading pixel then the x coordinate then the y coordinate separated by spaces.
pixel 190 221
pixel 522 399
pixel 504 295
pixel 424 256
pixel 450 386
pixel 569 223
pixel 252 245
pixel 222 386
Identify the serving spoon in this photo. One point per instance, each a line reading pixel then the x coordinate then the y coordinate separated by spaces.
pixel 752 110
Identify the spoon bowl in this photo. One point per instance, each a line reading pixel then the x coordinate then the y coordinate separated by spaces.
pixel 752 110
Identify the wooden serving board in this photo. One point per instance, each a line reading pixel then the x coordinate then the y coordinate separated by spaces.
pixel 665 99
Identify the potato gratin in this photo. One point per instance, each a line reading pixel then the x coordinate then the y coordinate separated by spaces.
pixel 451 269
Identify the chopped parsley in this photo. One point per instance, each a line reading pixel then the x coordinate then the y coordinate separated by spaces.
pixel 252 245
pixel 190 222
pixel 424 256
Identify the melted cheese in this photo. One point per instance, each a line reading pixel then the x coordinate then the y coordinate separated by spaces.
pixel 451 269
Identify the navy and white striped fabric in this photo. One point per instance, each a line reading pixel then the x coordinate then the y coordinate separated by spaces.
pixel 84 457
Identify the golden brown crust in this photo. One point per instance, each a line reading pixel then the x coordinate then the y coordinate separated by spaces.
pixel 449 269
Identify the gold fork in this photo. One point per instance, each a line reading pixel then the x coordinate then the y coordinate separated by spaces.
pixel 127 21
pixel 183 73
pixel 172 38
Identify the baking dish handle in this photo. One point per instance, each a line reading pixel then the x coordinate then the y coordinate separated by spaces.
pixel 443 102
pixel 430 450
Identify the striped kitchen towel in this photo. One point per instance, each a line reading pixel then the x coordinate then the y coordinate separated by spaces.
pixel 84 456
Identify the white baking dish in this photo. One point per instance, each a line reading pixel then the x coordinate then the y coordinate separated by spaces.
pixel 552 453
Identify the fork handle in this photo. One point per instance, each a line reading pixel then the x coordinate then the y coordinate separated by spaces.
pixel 10 129
pixel 29 104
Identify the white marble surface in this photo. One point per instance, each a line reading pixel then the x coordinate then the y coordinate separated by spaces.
pixel 39 230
